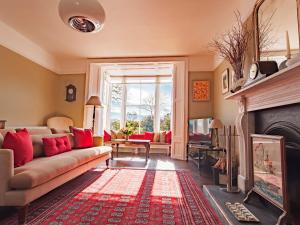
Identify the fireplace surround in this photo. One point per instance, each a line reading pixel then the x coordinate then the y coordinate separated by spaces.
pixel 270 106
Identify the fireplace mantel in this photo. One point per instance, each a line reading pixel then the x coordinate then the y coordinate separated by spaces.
pixel 279 89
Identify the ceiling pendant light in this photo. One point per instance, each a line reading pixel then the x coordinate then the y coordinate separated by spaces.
pixel 82 15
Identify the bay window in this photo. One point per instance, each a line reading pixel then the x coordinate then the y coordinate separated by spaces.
pixel 140 103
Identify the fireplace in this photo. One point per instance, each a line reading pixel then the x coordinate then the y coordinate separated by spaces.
pixel 285 121
pixel 271 106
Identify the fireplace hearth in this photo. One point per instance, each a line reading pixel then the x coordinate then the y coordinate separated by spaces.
pixel 285 121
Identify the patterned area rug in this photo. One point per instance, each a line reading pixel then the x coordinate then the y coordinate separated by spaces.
pixel 123 196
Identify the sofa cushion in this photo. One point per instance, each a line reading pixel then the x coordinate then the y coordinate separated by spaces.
pixel 56 145
pixel 162 137
pixel 156 137
pixel 37 130
pixel 59 131
pixel 21 145
pixel 4 131
pixel 149 136
pixel 83 138
pixel 37 142
pixel 107 136
pixel 169 137
pixel 137 136
pixel 43 169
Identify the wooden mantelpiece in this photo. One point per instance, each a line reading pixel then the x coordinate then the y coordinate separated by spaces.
pixel 279 89
pixel 282 88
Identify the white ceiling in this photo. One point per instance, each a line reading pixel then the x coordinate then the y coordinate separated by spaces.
pixel 133 28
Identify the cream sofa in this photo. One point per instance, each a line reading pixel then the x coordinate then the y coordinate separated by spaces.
pixel 22 185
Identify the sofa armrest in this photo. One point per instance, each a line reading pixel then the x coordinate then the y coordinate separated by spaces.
pixel 97 141
pixel 6 171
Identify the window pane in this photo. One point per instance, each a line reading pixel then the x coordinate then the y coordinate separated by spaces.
pixel 148 94
pixel 115 118
pixel 146 121
pixel 116 94
pixel 133 94
pixel 132 118
pixel 165 105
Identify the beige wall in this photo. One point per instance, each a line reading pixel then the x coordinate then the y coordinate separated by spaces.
pixel 201 109
pixel 225 110
pixel 74 109
pixel 27 90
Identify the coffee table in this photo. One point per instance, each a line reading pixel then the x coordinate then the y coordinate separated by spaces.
pixel 145 143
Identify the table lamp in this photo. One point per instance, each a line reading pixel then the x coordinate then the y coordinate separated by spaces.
pixel 215 125
pixel 94 101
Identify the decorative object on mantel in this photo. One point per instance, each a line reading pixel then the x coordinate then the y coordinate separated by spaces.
pixel 216 124
pixel 225 81
pixel 94 101
pixel 2 124
pixel 288 52
pixel 260 70
pixel 295 59
pixel 201 90
pixel 241 213
pixel 233 44
pixel 70 93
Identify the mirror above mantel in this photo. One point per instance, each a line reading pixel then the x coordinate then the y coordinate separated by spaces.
pixel 276 24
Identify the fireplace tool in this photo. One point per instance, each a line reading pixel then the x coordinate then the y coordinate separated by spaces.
pixel 229 141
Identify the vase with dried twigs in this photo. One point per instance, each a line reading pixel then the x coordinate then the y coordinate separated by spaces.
pixel 233 44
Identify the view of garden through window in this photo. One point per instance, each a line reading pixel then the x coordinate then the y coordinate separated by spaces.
pixel 136 104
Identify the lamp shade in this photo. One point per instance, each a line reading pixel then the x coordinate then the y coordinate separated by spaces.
pixel 94 100
pixel 216 123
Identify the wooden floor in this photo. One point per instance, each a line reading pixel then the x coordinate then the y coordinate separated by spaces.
pixel 161 162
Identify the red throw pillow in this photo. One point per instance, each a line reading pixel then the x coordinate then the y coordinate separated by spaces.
pixel 107 136
pixel 56 145
pixel 169 137
pixel 149 136
pixel 21 145
pixel 83 138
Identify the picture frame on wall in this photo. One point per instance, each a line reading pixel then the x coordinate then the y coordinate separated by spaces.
pixel 200 90
pixel 225 81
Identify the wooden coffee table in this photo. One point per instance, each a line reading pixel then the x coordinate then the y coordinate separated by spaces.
pixel 145 143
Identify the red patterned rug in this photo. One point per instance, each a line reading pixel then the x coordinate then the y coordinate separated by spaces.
pixel 124 196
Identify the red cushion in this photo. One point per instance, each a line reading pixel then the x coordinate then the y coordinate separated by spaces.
pixel 83 138
pixel 57 145
pixel 137 136
pixel 107 136
pixel 169 137
pixel 149 136
pixel 21 145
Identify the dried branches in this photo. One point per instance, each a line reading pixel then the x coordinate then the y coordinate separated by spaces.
pixel 266 32
pixel 233 44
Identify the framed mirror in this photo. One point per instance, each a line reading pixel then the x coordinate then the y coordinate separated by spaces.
pixel 276 29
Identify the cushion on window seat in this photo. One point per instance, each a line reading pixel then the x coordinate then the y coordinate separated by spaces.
pixel 43 169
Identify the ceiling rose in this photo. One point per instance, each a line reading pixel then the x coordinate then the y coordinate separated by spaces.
pixel 82 15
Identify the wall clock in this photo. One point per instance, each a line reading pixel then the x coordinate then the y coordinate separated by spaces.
pixel 70 93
